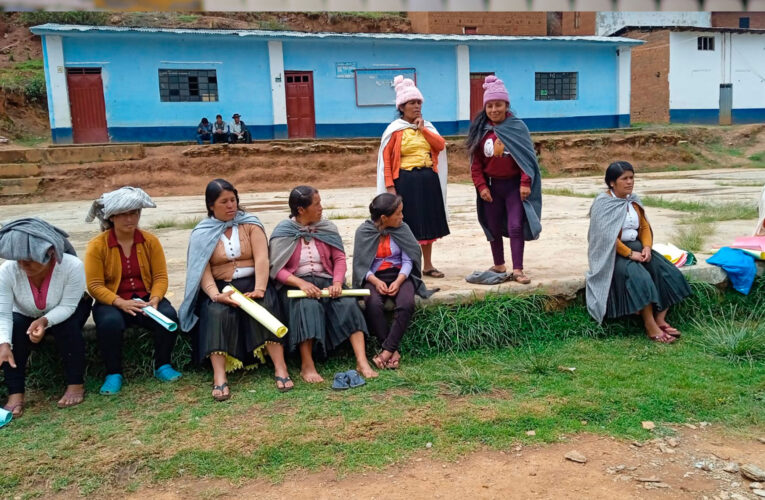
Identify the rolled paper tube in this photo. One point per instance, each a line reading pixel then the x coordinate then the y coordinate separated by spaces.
pixel 351 292
pixel 258 312
pixel 5 416
pixel 160 318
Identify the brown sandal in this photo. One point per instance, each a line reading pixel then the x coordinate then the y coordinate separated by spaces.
pixel 16 410
pixel 433 273
pixel 521 278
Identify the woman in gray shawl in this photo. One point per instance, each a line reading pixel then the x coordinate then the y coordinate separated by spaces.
pixel 230 247
pixel 307 254
pixel 42 285
pixel 626 276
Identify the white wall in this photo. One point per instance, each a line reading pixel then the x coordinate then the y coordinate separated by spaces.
pixel 695 75
pixel 625 58
pixel 607 23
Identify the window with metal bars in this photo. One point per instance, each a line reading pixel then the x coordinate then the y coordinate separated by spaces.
pixel 83 71
pixel 188 85
pixel 555 86
pixel 705 43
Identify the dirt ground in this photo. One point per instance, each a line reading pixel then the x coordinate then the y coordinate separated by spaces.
pixel 614 469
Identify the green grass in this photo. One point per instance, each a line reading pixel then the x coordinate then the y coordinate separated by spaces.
pixel 740 183
pixel 705 212
pixel 189 223
pixel 758 157
pixel 25 77
pixel 97 18
pixel 187 18
pixel 692 236
pixel 474 376
pixel 31 140
pixel 567 192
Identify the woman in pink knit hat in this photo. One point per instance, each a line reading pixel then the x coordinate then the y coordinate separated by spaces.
pixel 412 163
pixel 506 175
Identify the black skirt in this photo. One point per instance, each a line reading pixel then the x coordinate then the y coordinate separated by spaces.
pixel 329 322
pixel 423 203
pixel 227 329
pixel 634 285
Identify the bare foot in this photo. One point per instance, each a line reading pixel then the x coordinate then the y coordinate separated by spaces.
pixel 311 376
pixel 394 361
pixel 74 395
pixel 15 404
pixel 366 370
pixel 381 360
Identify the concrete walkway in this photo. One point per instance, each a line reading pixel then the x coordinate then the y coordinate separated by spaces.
pixel 556 262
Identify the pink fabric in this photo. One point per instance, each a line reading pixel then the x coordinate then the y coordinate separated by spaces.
pixel 41 294
pixel 406 91
pixel 751 242
pixel 310 258
pixel 494 90
pixel 332 259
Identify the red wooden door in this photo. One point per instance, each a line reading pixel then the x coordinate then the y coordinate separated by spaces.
pixel 301 120
pixel 86 101
pixel 476 93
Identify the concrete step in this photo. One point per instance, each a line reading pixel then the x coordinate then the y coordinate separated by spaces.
pixel 74 154
pixel 14 170
pixel 19 186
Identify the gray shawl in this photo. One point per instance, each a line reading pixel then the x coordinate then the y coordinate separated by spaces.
pixel 607 215
pixel 31 238
pixel 116 202
pixel 515 136
pixel 285 238
pixel 204 237
pixel 365 248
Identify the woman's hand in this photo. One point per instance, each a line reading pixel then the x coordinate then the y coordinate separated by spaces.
pixel 129 306
pixel 485 195
pixel 525 192
pixel 256 294
pixel 646 253
pixel 6 356
pixel 636 256
pixel 335 290
pixel 391 190
pixel 419 123
pixel 36 330
pixel 311 290
pixel 225 298
pixel 154 302
pixel 394 287
pixel 379 285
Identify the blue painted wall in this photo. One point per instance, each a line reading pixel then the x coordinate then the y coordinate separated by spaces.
pixel 712 116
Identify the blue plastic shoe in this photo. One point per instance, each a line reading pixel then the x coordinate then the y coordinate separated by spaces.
pixel 166 373
pixel 341 382
pixel 354 379
pixel 112 385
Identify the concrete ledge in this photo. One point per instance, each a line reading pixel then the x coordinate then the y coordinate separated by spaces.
pixel 16 170
pixel 74 154
pixel 19 187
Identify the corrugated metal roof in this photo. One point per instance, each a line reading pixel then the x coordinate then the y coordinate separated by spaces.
pixel 60 29
pixel 707 29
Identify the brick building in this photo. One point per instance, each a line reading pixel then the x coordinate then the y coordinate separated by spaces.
pixel 746 20
pixel 504 23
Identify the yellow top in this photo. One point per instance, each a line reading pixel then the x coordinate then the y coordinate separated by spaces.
pixel 415 150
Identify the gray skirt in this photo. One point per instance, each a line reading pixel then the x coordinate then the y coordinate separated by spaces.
pixel 329 322
pixel 634 285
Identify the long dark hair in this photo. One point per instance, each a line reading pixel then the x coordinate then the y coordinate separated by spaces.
pixel 384 204
pixel 213 191
pixel 616 169
pixel 301 197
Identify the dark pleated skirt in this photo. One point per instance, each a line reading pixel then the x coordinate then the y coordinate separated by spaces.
pixel 423 203
pixel 634 285
pixel 223 328
pixel 329 322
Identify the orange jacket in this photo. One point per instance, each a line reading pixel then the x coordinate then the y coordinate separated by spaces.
pixel 392 153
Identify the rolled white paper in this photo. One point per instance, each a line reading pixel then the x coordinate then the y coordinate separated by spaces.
pixel 160 318
pixel 258 312
pixel 351 292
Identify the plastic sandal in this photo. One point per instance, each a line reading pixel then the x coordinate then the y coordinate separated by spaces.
pixel 112 385
pixel 354 379
pixel 16 410
pixel 521 278
pixel 341 382
pixel 166 373
pixel 284 381
pixel 221 388
pixel 433 273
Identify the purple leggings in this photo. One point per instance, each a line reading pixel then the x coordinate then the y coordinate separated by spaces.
pixel 506 199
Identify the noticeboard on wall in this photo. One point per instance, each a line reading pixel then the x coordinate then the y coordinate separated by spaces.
pixel 374 87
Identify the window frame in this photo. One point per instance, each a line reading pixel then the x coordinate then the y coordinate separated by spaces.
pixel 188 85
pixel 705 43
pixel 565 85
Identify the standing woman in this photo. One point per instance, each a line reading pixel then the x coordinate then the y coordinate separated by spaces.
pixel 123 264
pixel 307 254
pixel 386 260
pixel 626 276
pixel 412 163
pixel 230 247
pixel 42 285
pixel 506 175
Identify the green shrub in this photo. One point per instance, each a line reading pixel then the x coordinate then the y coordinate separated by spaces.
pixel 94 18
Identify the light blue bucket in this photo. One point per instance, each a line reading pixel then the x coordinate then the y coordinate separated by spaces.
pixel 5 417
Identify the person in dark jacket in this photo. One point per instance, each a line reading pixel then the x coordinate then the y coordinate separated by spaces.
pixel 204 131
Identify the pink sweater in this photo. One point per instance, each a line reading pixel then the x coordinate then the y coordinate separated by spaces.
pixel 332 259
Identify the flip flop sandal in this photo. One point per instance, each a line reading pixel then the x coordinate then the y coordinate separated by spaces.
pixel 664 338
pixel 341 382
pixel 354 379
pixel 521 278
pixel 221 388
pixel 284 381
pixel 433 273
pixel 16 410
pixel 71 394
pixel 674 332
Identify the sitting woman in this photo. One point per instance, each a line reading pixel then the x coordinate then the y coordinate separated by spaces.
pixel 626 276
pixel 126 271
pixel 42 285
pixel 307 254
pixel 230 248
pixel 386 260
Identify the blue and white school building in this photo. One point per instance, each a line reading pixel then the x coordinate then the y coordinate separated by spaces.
pixel 142 84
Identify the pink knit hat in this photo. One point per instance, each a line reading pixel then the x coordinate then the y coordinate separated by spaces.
pixel 406 91
pixel 494 90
